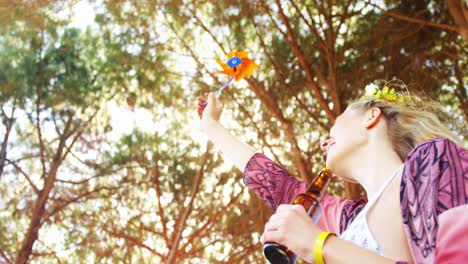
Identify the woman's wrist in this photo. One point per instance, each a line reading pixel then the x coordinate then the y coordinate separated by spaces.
pixel 327 247
pixel 336 250
pixel 208 124
pixel 315 252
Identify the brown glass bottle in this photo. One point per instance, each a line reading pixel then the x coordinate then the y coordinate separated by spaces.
pixel 279 254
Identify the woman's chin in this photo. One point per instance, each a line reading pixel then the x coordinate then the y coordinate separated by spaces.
pixel 346 179
pixel 338 170
pixel 330 163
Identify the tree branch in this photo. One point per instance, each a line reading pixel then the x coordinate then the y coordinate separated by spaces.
pixel 301 164
pixel 133 241
pixel 18 168
pixel 459 13
pixel 8 126
pixel 177 235
pixel 39 134
pixel 213 220
pixel 155 173
pixel 416 20
pixel 5 257
pixel 460 91
pixel 292 41
pixel 65 203
pixel 208 31
pixel 49 181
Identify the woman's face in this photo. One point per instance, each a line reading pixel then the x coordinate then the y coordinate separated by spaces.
pixel 347 136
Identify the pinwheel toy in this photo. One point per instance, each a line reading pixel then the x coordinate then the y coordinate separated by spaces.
pixel 237 67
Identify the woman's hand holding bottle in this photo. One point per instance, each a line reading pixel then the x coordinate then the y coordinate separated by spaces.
pixel 291 226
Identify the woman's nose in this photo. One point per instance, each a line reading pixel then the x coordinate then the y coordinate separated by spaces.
pixel 325 144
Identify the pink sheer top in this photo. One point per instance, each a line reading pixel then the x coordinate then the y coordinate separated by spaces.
pixel 433 198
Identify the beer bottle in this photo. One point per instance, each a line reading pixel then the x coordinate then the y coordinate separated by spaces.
pixel 279 254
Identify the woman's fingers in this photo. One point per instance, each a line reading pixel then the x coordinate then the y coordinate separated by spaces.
pixel 292 209
pixel 283 207
pixel 276 225
pixel 284 216
pixel 292 227
pixel 282 222
pixel 211 98
pixel 200 111
pixel 272 224
pixel 201 106
pixel 277 236
pixel 211 106
pixel 275 229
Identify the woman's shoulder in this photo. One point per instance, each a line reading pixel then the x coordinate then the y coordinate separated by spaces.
pixel 435 173
pixel 436 148
pixel 439 164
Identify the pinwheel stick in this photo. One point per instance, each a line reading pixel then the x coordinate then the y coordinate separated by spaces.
pixel 218 92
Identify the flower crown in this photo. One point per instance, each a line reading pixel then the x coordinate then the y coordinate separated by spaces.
pixel 373 91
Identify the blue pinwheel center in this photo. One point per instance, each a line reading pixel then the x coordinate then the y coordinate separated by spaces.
pixel 234 61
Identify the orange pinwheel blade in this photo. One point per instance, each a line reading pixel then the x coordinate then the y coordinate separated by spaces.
pixel 244 70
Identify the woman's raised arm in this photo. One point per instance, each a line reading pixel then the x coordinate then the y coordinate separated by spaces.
pixel 232 148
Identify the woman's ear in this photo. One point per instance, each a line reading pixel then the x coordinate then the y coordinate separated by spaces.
pixel 372 117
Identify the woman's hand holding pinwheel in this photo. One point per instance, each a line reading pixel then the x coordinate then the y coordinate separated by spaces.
pixel 238 66
pixel 213 111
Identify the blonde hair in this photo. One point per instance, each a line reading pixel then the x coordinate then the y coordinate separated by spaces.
pixel 409 124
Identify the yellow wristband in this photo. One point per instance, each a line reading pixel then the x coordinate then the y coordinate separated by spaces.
pixel 318 247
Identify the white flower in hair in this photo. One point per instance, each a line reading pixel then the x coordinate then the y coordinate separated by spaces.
pixel 371 89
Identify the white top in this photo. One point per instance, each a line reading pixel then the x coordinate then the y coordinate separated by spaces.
pixel 358 231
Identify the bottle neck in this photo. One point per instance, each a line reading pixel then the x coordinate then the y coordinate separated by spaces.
pixel 320 183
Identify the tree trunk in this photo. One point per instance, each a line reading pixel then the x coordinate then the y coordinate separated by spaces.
pixel 38 213
pixel 3 150
pixel 353 190
pixel 177 235
pixel 39 209
pixel 459 13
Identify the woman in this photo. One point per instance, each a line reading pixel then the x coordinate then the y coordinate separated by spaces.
pixel 414 173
